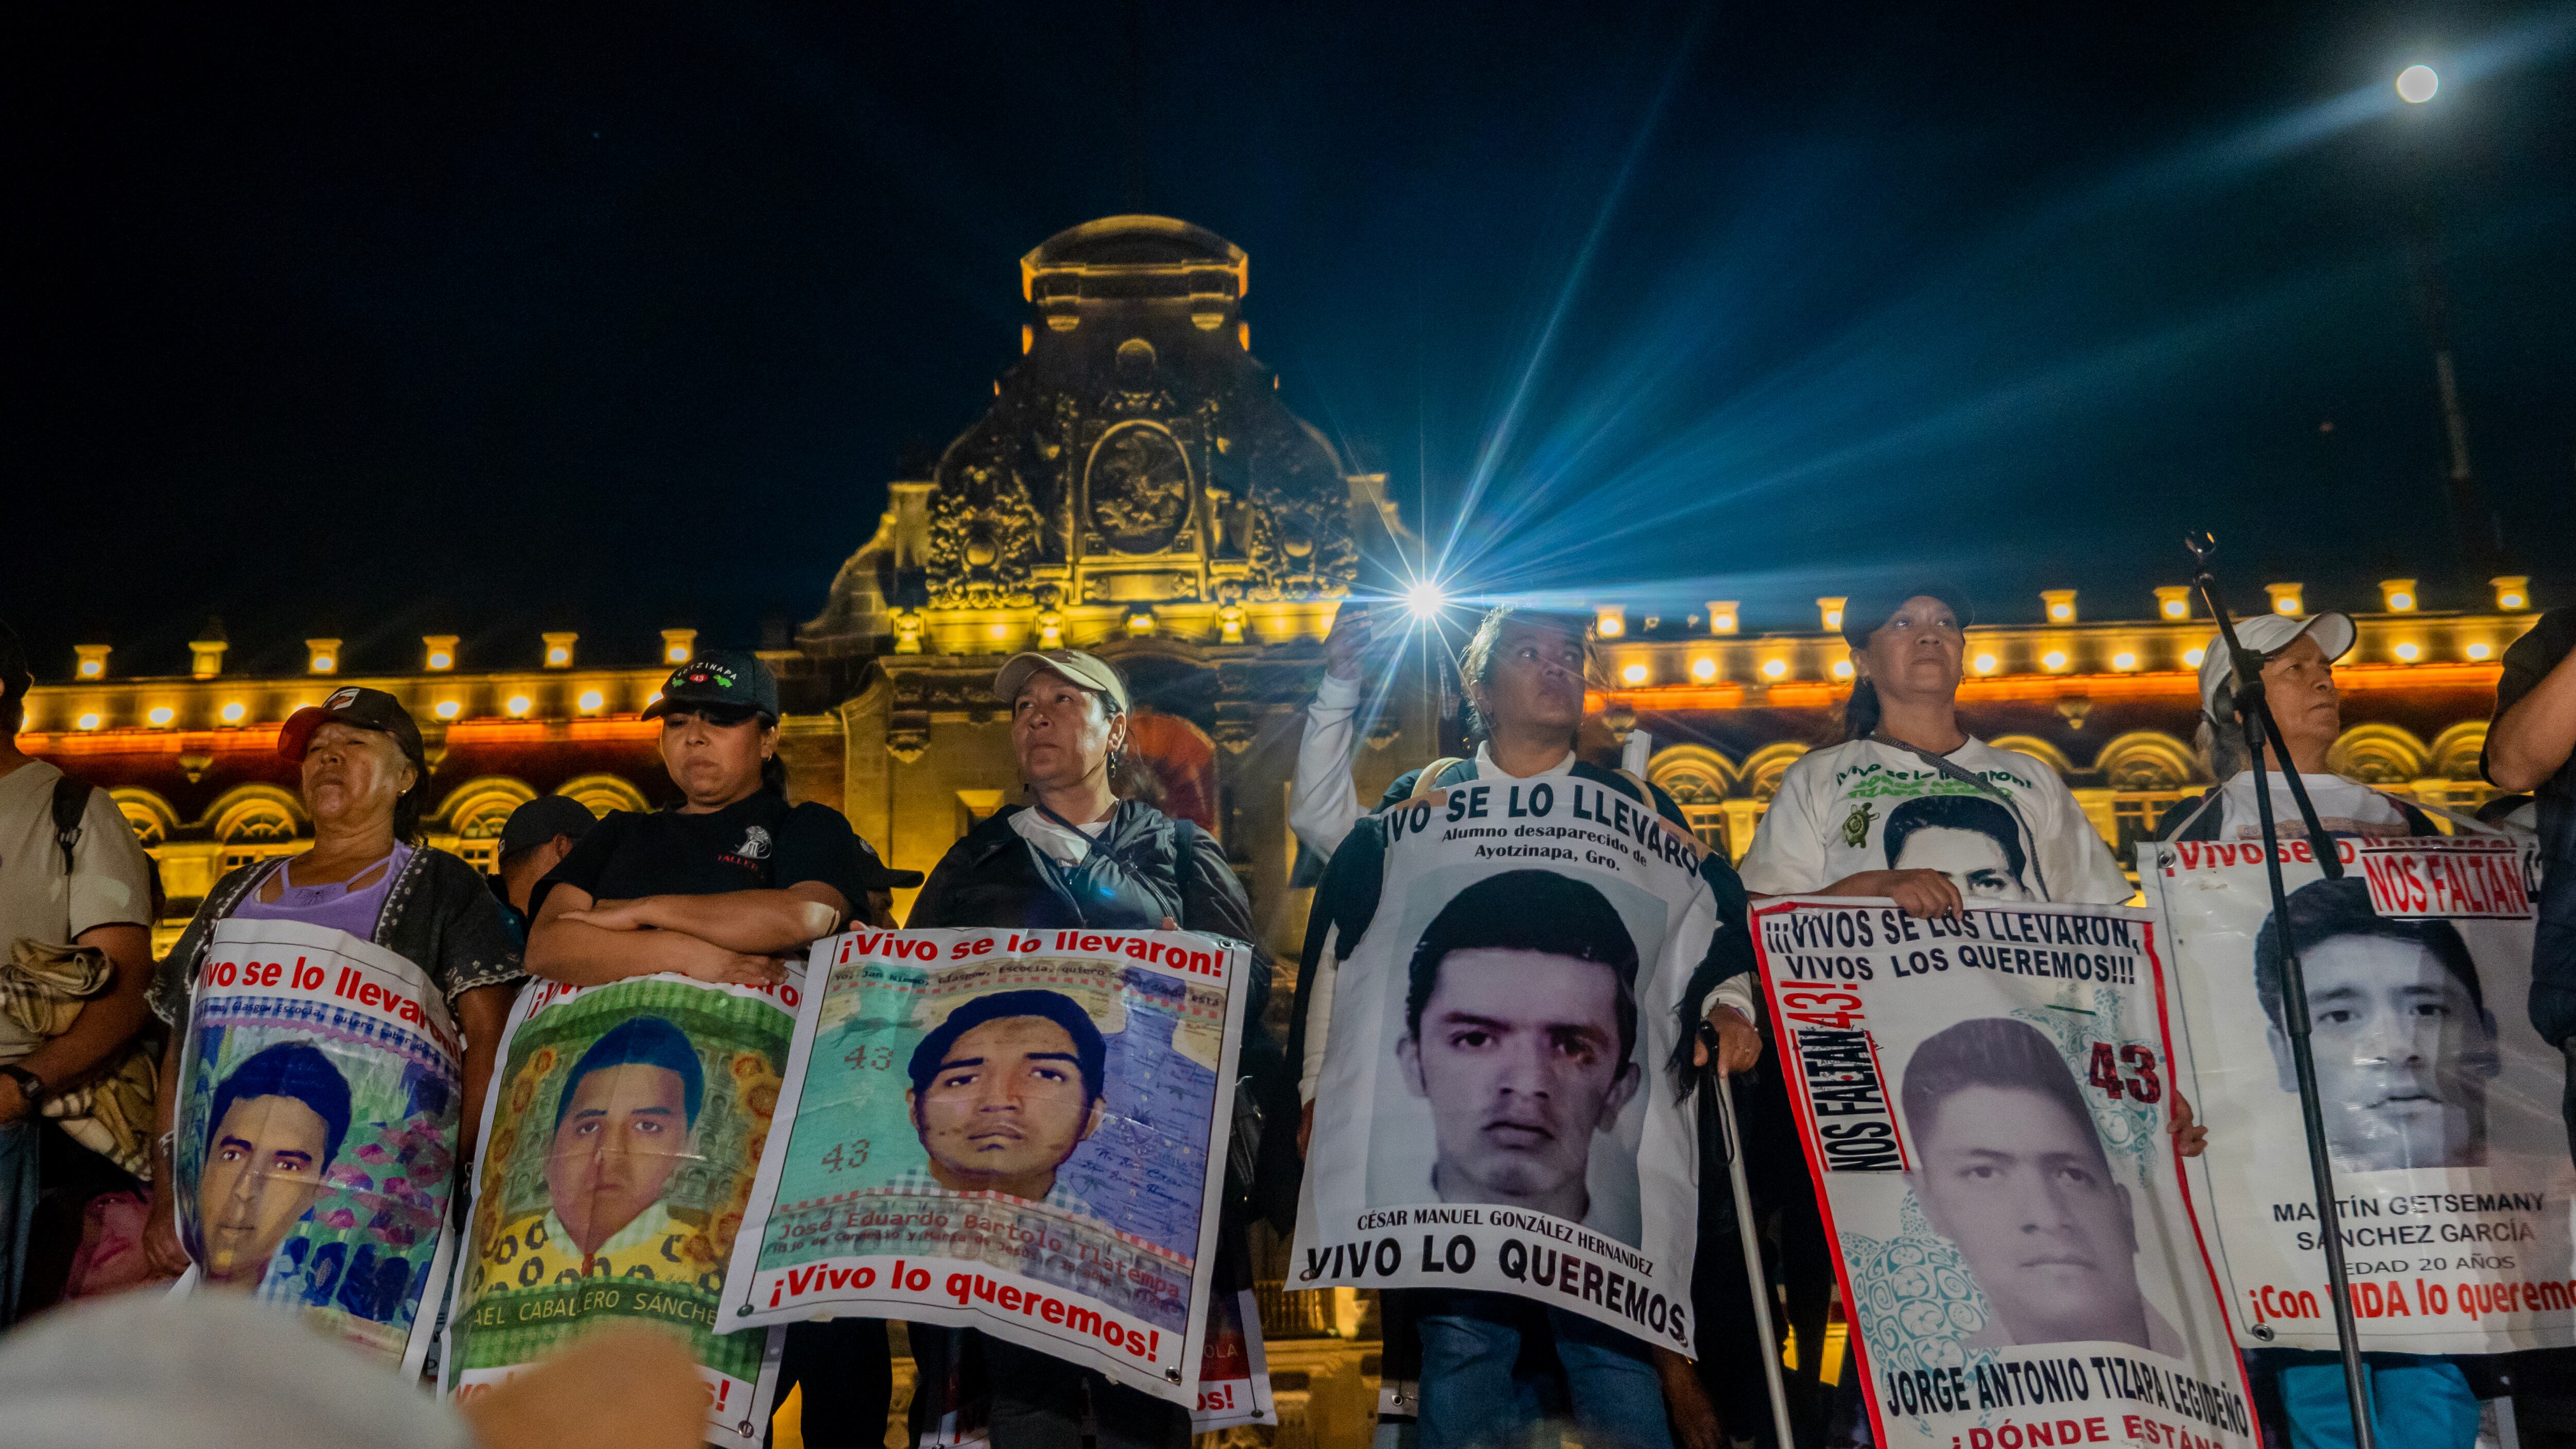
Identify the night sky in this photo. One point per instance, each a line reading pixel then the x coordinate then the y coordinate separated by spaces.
pixel 373 321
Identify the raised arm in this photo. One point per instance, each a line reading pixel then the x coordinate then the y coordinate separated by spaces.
pixel 2534 734
pixel 581 953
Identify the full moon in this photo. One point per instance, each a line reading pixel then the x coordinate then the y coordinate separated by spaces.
pixel 2416 84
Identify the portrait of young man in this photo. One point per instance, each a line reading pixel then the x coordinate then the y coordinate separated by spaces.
pixel 623 1127
pixel 2011 1169
pixel 278 1122
pixel 1002 1093
pixel 1520 1032
pixel 1974 841
pixel 2399 1026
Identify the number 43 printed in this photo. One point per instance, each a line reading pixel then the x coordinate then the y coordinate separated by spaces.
pixel 2145 1086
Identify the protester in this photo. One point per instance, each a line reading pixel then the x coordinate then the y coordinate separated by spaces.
pixel 2532 746
pixel 145 1370
pixel 1874 815
pixel 72 876
pixel 717 888
pixel 2416 1399
pixel 1078 855
pixel 1524 674
pixel 365 780
pixel 1323 804
pixel 534 840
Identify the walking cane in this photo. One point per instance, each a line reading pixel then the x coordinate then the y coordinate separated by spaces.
pixel 1724 1095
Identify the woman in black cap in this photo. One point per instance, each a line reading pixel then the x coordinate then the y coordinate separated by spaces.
pixel 1079 855
pixel 1911 806
pixel 719 887
pixel 365 779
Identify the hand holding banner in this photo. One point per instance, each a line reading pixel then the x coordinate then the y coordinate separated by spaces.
pixel 1983 1100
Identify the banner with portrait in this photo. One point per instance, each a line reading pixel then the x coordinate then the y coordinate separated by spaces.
pixel 1022 1133
pixel 1494 1111
pixel 320 1087
pixel 2441 1104
pixel 1234 1371
pixel 1983 1102
pixel 620 1139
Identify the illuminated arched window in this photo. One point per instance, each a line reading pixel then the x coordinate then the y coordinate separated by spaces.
pixel 603 794
pixel 1697 778
pixel 151 816
pixel 255 822
pixel 2149 772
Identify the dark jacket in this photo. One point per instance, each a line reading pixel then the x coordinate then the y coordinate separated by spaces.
pixel 1144 867
pixel 439 916
pixel 1347 900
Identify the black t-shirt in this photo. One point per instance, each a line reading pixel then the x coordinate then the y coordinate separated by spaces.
pixel 762 843
pixel 2529 661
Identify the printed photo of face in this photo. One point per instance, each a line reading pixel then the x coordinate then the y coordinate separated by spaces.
pixel 1005 1103
pixel 2403 1055
pixel 1520 1055
pixel 1974 841
pixel 623 1132
pixel 278 1122
pixel 2024 1190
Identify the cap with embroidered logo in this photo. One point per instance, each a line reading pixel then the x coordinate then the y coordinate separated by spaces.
pixel 726 677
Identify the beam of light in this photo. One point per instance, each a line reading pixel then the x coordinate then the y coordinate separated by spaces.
pixel 2416 84
pixel 1425 599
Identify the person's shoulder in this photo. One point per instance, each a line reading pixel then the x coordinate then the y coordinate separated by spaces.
pixel 814 815
pixel 2549 639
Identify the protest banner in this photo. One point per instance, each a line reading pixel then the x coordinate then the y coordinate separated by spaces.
pixel 1022 1133
pixel 1983 1102
pixel 316 1131
pixel 619 1143
pixel 1527 932
pixel 1234 1372
pixel 2441 1104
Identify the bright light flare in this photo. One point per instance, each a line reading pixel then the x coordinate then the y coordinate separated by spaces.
pixel 2416 84
pixel 1425 600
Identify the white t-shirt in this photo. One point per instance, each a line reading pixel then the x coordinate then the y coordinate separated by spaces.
pixel 2344 807
pixel 109 883
pixel 1834 809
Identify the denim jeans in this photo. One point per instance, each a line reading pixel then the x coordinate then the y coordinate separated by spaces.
pixel 19 1146
pixel 2416 1400
pixel 1472 1399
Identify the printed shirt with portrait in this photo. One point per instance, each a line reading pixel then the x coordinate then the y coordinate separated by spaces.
pixel 537 1250
pixel 1829 820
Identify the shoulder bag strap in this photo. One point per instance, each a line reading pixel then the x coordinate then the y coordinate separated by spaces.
pixel 71 804
pixel 1427 784
pixel 1983 786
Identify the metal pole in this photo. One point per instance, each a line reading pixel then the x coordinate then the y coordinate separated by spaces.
pixel 2254 713
pixel 1751 1242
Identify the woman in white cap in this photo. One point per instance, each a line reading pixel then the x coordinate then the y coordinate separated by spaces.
pixel 364 779
pixel 1076 854
pixel 2298 682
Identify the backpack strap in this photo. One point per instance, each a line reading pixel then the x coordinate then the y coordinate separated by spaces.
pixel 71 804
pixel 1426 784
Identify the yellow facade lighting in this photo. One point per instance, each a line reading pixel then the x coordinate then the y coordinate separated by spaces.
pixel 1775 668
pixel 2407 653
pixel 448 709
pixel 2054 659
pixel 1829 610
pixel 2124 660
pixel 559 649
pixel 1842 669
pixel 322 656
pixel 591 700
pixel 518 704
pixel 2290 599
pixel 1609 623
pixel 2191 657
pixel 2513 591
pixel 1140 623
pixel 161 715
pixel 1050 629
pixel 438 652
pixel 2173 601
pixel 2059 604
pixel 1634 674
pixel 2398 595
pixel 206 657
pixel 678 645
pixel 1703 669
pixel 92 660
pixel 1721 616
pixel 87 721
pixel 1984 663
pixel 232 713
pixel 2480 650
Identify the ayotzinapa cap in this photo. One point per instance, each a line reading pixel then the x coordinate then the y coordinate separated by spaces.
pixel 1088 670
pixel 1864 612
pixel 727 677
pixel 361 708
